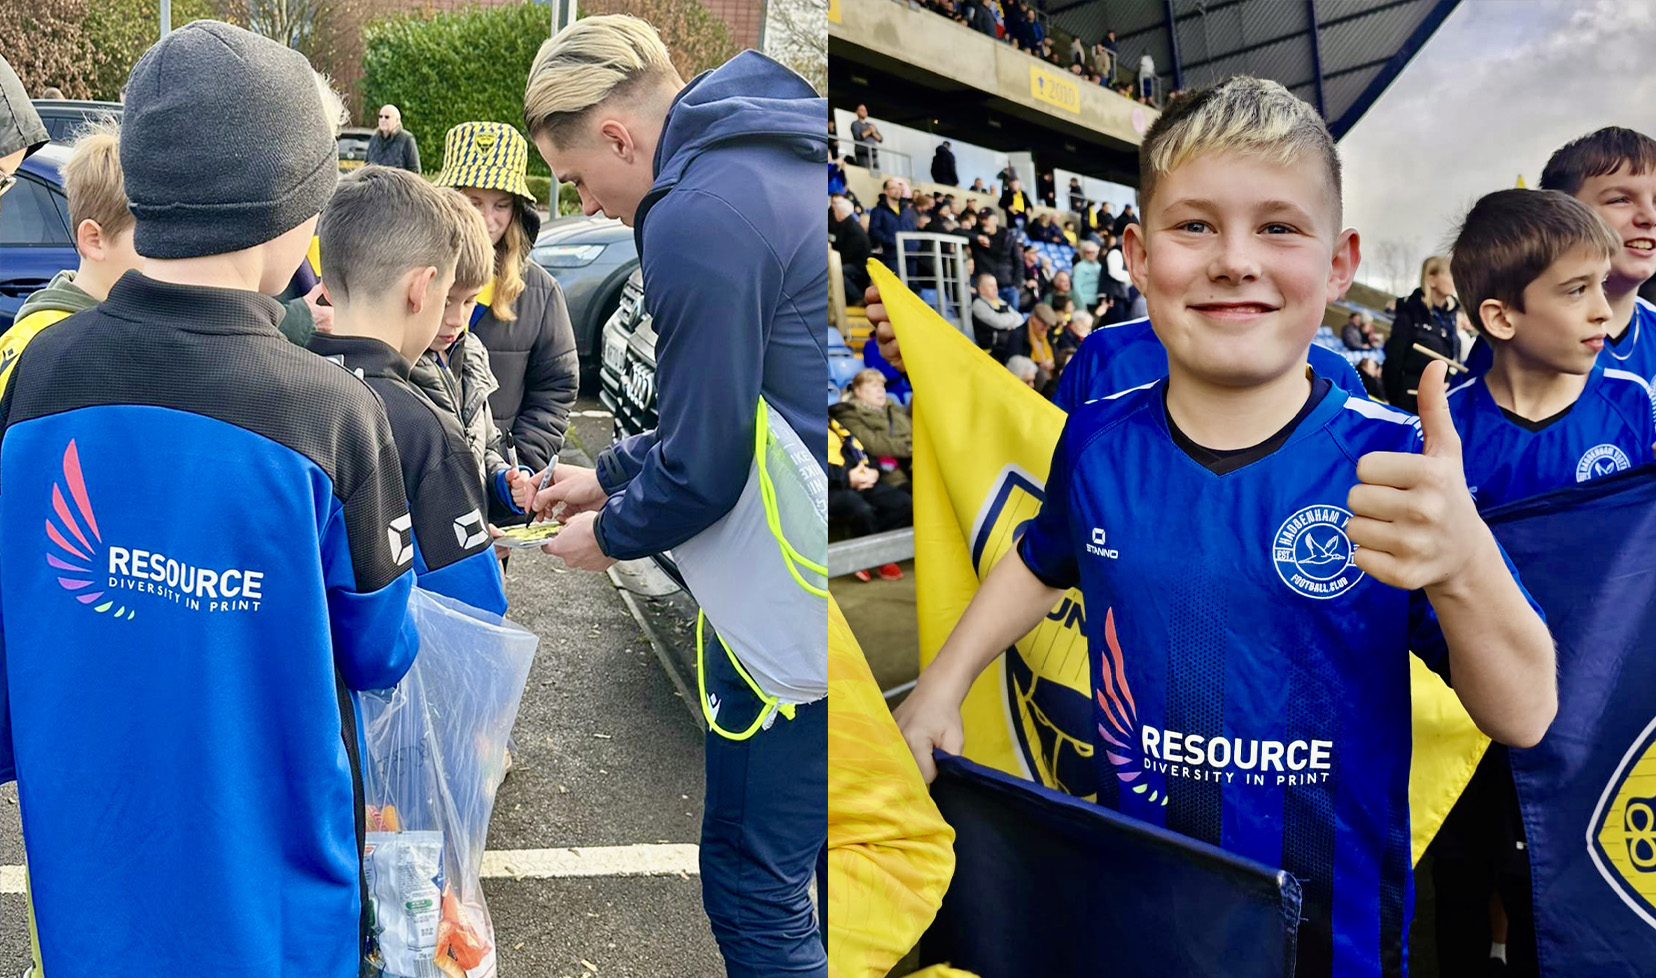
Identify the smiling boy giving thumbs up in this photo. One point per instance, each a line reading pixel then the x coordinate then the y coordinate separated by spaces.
pixel 1258 552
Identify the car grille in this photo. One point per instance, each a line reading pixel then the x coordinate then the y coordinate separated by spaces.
pixel 637 397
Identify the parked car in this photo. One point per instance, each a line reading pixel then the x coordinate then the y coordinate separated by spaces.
pixel 63 117
pixel 591 257
pixel 627 367
pixel 353 148
pixel 35 240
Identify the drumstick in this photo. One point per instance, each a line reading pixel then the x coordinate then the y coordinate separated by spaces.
pixel 1435 355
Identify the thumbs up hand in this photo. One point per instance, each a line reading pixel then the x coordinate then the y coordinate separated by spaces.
pixel 1413 523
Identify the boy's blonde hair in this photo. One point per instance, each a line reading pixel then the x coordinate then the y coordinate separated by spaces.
pixel 93 182
pixel 1245 115
pixel 475 264
pixel 615 56
pixel 380 223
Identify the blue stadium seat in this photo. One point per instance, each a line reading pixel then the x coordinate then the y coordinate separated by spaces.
pixel 836 343
pixel 842 368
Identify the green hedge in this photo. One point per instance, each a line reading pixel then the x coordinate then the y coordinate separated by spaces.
pixel 448 68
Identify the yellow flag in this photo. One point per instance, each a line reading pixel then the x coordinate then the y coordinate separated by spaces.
pixel 1520 181
pixel 980 468
pixel 890 854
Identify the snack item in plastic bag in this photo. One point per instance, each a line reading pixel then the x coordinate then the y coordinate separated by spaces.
pixel 405 880
pixel 433 758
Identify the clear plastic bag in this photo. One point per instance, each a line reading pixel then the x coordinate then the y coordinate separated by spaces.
pixel 434 755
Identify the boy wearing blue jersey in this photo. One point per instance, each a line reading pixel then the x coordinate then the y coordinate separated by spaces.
pixel 1258 550
pixel 389 245
pixel 1613 171
pixel 1532 267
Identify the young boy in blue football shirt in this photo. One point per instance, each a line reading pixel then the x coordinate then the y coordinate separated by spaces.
pixel 1532 267
pixel 390 243
pixel 1258 550
pixel 1613 171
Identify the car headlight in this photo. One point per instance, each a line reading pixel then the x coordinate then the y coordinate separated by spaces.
pixel 567 256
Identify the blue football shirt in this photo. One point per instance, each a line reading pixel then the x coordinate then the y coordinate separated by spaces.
pixel 1611 427
pixel 1250 683
pixel 1125 355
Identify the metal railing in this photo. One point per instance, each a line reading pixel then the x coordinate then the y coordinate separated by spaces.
pixel 858 553
pixel 875 157
pixel 935 269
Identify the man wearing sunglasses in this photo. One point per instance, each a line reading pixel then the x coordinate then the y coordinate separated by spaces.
pixel 21 131
pixel 391 144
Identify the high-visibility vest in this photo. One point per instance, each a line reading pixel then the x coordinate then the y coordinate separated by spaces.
pixel 760 575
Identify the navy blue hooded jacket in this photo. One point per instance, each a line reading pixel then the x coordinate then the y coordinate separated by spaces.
pixel 731 240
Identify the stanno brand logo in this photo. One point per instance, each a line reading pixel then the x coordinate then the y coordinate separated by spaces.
pixel 401 535
pixel 469 530
pixel 78 549
pixel 1601 460
pixel 1097 547
pixel 1313 554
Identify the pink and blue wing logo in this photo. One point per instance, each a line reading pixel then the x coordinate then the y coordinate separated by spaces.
pixel 76 543
pixel 1115 699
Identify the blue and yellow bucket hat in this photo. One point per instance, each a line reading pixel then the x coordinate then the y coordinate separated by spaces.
pixel 486 155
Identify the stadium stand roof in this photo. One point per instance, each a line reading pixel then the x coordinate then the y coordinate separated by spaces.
pixel 1339 55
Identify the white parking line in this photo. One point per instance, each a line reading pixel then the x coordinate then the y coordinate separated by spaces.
pixel 540 864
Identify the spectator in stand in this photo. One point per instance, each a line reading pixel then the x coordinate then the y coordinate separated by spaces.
pixel 1046 229
pixel 1046 188
pixel 857 497
pixel 979 17
pixel 880 424
pixel 1106 221
pixel 1077 196
pixel 1077 52
pixel 943 166
pixel 966 227
pixel 1037 338
pixel 1070 237
pixel 1063 307
pixel 1086 274
pixel 1025 370
pixel 1358 334
pixel 1015 203
pixel 852 243
pixel 1018 30
pixel 1079 325
pixel 1062 291
pixel 1127 217
pixel 977 187
pixel 1368 369
pixel 1146 77
pixel 1049 387
pixel 866 135
pixel 837 183
pixel 391 144
pixel 1046 53
pixel 924 206
pixel 1036 278
pixel 994 321
pixel 995 250
pixel 1093 224
pixel 1427 317
pixel 1103 61
pixel 891 216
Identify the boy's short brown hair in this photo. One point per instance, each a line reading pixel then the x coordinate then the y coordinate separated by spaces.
pixel 93 182
pixel 380 223
pixel 475 264
pixel 1511 237
pixel 1598 154
pixel 1241 114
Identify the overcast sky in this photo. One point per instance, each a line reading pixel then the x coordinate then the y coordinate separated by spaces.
pixel 1499 86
